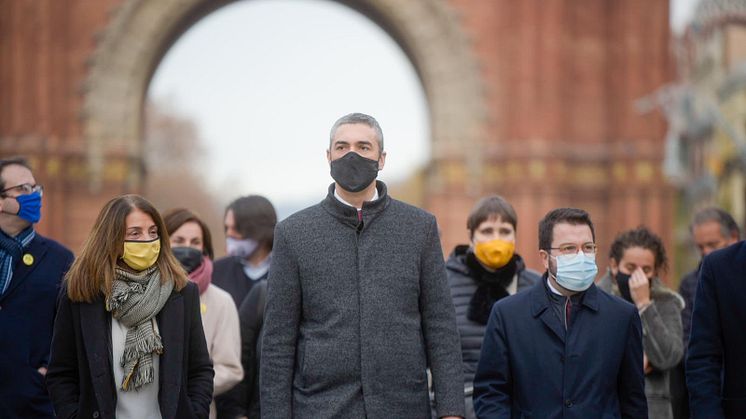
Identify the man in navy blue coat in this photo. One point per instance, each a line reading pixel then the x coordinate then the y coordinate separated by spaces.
pixel 716 359
pixel 31 270
pixel 564 348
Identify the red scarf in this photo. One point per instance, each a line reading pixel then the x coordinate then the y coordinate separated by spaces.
pixel 202 276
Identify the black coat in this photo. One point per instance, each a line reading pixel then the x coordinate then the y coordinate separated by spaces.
pixel 716 359
pixel 243 399
pixel 229 275
pixel 463 286
pixel 26 320
pixel 81 378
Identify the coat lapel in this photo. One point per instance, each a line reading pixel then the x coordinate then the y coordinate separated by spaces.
pixel 37 249
pixel 171 326
pixel 95 340
pixel 540 307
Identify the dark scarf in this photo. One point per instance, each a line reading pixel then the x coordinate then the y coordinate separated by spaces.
pixel 491 286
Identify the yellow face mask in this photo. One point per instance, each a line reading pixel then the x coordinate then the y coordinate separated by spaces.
pixel 141 255
pixel 494 254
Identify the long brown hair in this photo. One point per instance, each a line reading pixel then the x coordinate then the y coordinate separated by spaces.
pixel 92 273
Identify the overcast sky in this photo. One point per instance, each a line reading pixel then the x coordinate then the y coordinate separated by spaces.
pixel 264 80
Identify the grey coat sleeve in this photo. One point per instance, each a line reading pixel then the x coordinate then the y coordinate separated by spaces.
pixel 439 329
pixel 282 319
pixel 662 331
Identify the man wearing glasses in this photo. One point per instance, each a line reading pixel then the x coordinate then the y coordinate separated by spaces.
pixel 31 271
pixel 563 349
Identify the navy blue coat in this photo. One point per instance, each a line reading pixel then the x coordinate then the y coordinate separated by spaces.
pixel 716 359
pixel 530 367
pixel 27 311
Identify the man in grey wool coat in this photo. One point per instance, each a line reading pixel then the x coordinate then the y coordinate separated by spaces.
pixel 358 306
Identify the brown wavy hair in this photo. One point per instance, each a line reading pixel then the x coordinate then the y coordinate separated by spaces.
pixel 92 273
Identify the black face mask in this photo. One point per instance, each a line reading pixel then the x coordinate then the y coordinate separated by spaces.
pixel 189 257
pixel 622 281
pixel 354 172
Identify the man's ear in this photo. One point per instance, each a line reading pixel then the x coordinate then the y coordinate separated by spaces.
pixel 381 160
pixel 328 156
pixel 544 259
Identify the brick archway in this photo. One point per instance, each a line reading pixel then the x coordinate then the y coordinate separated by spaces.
pixel 141 32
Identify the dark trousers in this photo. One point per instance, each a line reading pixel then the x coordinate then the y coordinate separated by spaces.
pixel 679 392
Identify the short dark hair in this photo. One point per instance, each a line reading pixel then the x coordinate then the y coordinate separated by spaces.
pixel 175 218
pixel 491 207
pixel 574 216
pixel 728 226
pixel 17 161
pixel 640 237
pixel 358 118
pixel 255 218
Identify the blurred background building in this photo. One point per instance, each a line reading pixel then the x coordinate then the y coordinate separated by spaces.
pixel 549 103
pixel 706 112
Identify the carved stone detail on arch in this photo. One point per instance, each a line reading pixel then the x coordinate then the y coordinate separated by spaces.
pixel 140 32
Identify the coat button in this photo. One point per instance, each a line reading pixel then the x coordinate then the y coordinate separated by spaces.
pixel 568 403
pixel 95 414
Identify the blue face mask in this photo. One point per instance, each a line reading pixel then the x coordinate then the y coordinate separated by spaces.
pixel 576 272
pixel 29 207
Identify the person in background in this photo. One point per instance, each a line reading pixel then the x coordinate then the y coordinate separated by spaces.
pixel 249 232
pixel 564 348
pixel 128 340
pixel 481 273
pixel 636 260
pixel 191 243
pixel 249 229
pixel 716 357
pixel 251 314
pixel 711 229
pixel 31 271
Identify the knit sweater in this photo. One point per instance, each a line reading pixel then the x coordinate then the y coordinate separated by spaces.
pixel 356 313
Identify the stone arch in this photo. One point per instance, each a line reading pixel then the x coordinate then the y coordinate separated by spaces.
pixel 141 31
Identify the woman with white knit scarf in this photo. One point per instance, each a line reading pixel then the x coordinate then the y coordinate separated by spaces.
pixel 128 339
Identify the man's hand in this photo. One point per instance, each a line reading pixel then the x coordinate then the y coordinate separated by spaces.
pixel 639 288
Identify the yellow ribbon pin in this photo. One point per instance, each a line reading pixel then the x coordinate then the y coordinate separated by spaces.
pixel 203 308
pixel 28 259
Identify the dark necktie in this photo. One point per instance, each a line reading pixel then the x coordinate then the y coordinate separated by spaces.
pixel 568 312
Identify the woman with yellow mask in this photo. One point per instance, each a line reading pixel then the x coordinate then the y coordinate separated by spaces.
pixel 128 339
pixel 481 273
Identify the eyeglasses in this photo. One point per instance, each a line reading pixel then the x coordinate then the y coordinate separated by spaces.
pixel 24 189
pixel 572 249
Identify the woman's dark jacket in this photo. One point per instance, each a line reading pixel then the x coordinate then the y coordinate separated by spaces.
pixel 81 378
pixel 463 285
pixel 243 399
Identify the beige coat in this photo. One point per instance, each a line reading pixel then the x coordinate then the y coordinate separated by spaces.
pixel 223 336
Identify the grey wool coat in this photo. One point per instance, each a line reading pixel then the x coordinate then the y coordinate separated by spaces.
pixel 356 313
pixel 661 342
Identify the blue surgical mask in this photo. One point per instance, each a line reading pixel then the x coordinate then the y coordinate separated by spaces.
pixel 29 207
pixel 242 249
pixel 576 272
